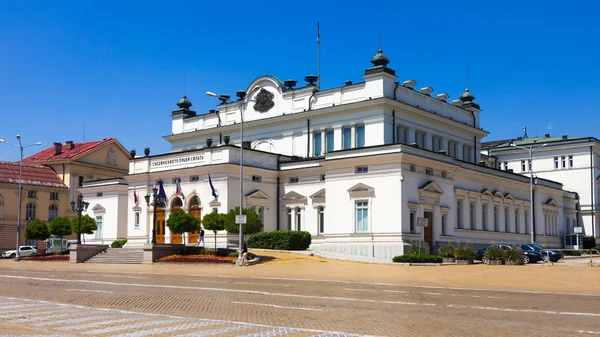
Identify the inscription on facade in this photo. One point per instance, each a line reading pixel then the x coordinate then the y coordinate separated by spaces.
pixel 174 161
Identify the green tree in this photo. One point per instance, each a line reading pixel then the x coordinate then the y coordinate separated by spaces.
pixel 214 222
pixel 88 225
pixel 180 222
pixel 37 230
pixel 61 227
pixel 253 223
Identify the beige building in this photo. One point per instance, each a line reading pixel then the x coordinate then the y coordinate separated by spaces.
pixel 45 197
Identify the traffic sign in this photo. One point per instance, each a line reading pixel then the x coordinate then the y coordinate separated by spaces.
pixel 422 222
pixel 577 230
pixel 240 219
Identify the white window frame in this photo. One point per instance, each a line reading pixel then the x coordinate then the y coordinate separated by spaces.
pixel 459 215
pixel 321 219
pixel 570 161
pixel 362 207
pixel 100 223
pixel 484 216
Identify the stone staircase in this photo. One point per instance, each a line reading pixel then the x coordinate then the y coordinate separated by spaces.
pixel 119 256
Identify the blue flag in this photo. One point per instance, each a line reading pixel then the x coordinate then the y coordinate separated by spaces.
pixel 161 191
pixel 214 192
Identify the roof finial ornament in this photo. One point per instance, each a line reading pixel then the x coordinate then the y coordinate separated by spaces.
pixel 380 59
pixel 525 131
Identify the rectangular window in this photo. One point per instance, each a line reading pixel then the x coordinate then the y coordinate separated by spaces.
pixel 317 143
pixel 570 161
pixel 412 168
pixel 505 166
pixel 137 219
pixel 465 152
pixel 53 195
pixel 362 216
pixel 523 168
pixel 362 169
pixel 99 194
pixel 420 139
pixel 293 180
pixel 495 218
pixel 428 171
pixel 298 218
pixel 257 178
pixel 413 219
pixel 517 229
pixel 556 163
pixel 329 140
pixel 289 218
pixel 322 177
pixel 453 149
pixel 458 213
pixel 436 143
pixel 563 160
pixel 472 215
pixel 444 225
pixel 360 136
pixel 401 134
pixel 347 138
pixel 484 217
pixel 80 181
pixel 32 194
pixel 526 217
pixel 98 232
pixel 506 220
pixel 321 219
pixel 176 180
pixel 194 179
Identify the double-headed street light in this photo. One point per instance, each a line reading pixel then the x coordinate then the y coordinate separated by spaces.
pixel 530 149
pixel 156 202
pixel 241 101
pixel 79 206
pixel 21 147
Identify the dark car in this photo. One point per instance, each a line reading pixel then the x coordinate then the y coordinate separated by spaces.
pixel 546 254
pixel 530 255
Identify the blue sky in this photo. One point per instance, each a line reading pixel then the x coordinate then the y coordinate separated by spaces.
pixel 118 66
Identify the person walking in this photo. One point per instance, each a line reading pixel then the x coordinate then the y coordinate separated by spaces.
pixel 244 261
pixel 201 237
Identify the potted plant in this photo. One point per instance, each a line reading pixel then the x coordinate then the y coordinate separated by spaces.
pixel 515 256
pixel 464 255
pixel 447 252
pixel 494 255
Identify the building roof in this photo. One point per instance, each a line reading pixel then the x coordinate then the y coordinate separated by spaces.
pixel 78 150
pixel 37 175
pixel 528 141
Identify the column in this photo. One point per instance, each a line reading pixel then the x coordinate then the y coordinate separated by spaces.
pixel 293 224
pixel 323 142
pixel 353 136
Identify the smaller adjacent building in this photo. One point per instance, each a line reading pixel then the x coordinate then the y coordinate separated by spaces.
pixel 44 197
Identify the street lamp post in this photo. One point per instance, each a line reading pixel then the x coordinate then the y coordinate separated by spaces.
pixel 21 147
pixel 530 149
pixel 156 202
pixel 79 206
pixel 240 102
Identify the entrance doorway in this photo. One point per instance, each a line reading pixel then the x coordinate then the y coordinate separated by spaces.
pixel 428 231
pixel 176 205
pixel 159 226
pixel 195 211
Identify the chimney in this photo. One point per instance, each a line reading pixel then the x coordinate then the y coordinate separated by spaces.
pixel 69 145
pixel 519 138
pixel 57 148
pixel 547 135
pixel 564 137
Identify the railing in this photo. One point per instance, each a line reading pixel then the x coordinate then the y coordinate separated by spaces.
pixel 591 263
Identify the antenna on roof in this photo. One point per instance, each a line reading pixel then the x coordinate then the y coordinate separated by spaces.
pixel 380 36
pixel 184 82
pixel 319 55
pixel 467 75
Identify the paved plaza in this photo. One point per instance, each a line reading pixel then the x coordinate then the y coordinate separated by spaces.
pixel 297 296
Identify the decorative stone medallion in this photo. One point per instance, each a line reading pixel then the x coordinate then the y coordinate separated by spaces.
pixel 264 101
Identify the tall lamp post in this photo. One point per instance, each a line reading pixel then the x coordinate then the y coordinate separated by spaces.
pixel 79 206
pixel 156 202
pixel 530 149
pixel 21 147
pixel 241 101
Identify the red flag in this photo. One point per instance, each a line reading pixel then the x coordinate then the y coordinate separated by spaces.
pixel 136 199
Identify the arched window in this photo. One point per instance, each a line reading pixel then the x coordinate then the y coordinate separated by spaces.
pixel 195 202
pixel 52 212
pixel 30 215
pixel 176 204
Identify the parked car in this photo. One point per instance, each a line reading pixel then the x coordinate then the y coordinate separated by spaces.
pixel 546 254
pixel 23 251
pixel 530 255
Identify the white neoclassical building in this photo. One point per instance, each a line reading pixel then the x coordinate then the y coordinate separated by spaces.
pixel 358 166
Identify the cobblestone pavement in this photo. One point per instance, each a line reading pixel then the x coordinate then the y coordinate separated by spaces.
pixel 61 299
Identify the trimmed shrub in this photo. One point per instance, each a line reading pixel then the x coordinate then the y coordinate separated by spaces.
pixel 495 253
pixel 572 252
pixel 465 253
pixel 118 243
pixel 280 240
pixel 416 250
pixel 447 251
pixel 515 255
pixel 414 258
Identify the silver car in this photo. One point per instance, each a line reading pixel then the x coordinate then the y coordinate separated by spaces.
pixel 23 251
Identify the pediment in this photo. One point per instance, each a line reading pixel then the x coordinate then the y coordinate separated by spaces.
pixel 432 187
pixel 98 209
pixel 293 196
pixel 498 194
pixel 509 196
pixel 487 192
pixel 552 202
pixel 360 187
pixel 320 194
pixel 258 194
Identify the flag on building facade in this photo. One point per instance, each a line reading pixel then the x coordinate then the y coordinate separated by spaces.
pixel 214 192
pixel 179 191
pixel 162 195
pixel 136 199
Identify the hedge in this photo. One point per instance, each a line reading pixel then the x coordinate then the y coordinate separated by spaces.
pixel 280 240
pixel 572 252
pixel 415 258
pixel 118 243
